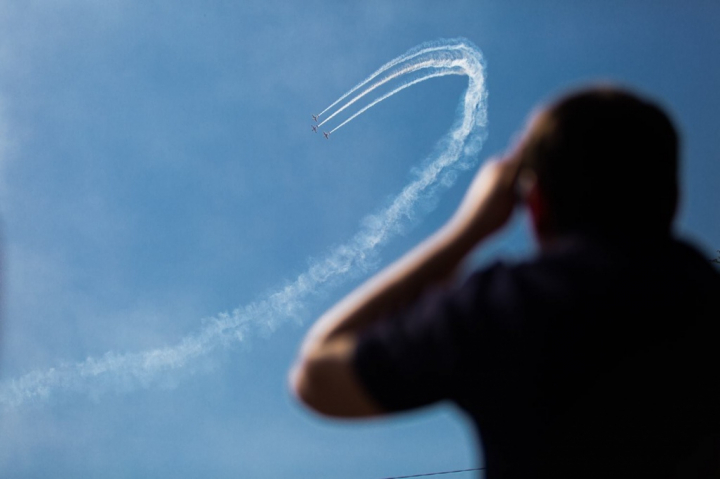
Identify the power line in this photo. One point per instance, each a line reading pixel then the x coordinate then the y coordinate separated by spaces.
pixel 436 473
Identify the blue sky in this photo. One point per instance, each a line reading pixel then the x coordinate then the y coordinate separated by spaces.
pixel 157 167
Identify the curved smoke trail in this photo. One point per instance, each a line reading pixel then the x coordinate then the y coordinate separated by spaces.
pixel 459 148
pixel 413 67
pixel 409 55
pixel 427 76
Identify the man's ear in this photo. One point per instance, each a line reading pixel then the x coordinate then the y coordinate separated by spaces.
pixel 537 204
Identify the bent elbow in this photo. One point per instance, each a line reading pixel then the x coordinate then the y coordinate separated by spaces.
pixel 299 382
pixel 324 380
pixel 330 388
pixel 309 386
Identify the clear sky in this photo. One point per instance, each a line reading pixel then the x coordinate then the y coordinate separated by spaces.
pixel 157 168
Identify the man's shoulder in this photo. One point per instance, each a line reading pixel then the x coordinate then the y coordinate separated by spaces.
pixel 569 264
pixel 582 255
pixel 577 272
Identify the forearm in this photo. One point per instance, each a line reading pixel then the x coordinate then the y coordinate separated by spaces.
pixel 432 262
pixel 324 377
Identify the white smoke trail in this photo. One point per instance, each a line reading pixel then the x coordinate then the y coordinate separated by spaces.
pixel 413 67
pixel 433 61
pixel 126 371
pixel 422 78
pixel 412 53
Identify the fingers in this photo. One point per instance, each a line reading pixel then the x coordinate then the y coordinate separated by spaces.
pixel 511 174
pixel 506 170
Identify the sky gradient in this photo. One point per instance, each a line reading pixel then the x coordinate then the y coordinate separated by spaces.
pixel 157 167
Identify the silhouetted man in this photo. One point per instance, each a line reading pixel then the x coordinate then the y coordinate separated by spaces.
pixel 597 357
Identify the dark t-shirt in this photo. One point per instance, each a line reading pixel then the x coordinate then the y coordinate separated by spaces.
pixel 594 359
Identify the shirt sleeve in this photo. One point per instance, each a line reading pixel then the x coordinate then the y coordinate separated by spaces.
pixel 442 346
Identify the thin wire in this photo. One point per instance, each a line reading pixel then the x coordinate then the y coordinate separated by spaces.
pixel 716 260
pixel 436 473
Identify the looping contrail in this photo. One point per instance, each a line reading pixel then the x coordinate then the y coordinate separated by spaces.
pixel 426 76
pixel 458 150
pixel 411 68
pixel 409 55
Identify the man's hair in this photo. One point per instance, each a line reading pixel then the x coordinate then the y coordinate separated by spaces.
pixel 606 162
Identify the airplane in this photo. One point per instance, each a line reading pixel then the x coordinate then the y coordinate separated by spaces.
pixel 327 135
pixel 314 128
pixel 314 117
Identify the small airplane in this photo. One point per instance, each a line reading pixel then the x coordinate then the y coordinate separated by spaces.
pixel 327 135
pixel 314 128
pixel 314 117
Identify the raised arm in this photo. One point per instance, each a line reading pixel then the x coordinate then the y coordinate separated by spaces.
pixel 323 377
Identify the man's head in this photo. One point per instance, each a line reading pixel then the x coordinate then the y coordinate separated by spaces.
pixel 605 162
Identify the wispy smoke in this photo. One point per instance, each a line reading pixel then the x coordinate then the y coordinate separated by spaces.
pixel 457 150
pixel 409 55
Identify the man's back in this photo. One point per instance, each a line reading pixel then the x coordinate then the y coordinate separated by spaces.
pixel 594 360
pixel 613 361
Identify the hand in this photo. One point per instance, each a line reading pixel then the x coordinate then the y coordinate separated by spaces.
pixel 490 199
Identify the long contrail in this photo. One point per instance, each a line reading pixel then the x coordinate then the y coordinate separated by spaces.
pixel 125 371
